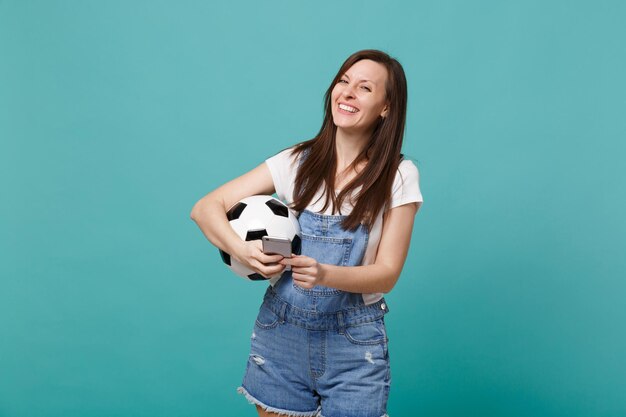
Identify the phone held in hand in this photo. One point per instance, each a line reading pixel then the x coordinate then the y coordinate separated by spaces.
pixel 277 245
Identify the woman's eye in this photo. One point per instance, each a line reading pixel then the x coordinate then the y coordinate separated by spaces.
pixel 363 87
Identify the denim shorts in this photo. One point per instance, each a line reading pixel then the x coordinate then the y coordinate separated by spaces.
pixel 309 363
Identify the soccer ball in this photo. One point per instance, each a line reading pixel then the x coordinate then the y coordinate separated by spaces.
pixel 258 216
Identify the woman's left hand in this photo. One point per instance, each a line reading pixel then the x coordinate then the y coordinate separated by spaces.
pixel 306 271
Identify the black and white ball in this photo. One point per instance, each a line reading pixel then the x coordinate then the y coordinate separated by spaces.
pixel 257 216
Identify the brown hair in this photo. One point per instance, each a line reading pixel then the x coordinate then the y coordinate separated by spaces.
pixel 382 151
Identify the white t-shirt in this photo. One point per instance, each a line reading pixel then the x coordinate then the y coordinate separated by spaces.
pixel 284 167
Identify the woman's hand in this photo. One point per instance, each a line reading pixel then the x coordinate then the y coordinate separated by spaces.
pixel 306 271
pixel 251 256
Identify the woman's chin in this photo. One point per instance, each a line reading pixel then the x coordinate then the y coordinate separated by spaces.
pixel 350 129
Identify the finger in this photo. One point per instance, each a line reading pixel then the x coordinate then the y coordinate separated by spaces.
pixel 285 261
pixel 305 285
pixel 304 270
pixel 269 259
pixel 266 270
pixel 298 261
pixel 301 277
pixel 272 270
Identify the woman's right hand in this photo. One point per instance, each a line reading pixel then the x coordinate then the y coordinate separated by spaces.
pixel 210 215
pixel 251 256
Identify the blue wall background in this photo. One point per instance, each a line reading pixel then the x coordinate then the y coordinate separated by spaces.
pixel 117 116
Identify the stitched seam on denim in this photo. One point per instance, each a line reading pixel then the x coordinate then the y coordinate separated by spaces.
pixel 322 293
pixel 266 326
pixel 313 292
pixel 346 254
pixel 363 342
pixel 386 343
pixel 324 354
pixel 321 324
pixel 308 345
pixel 374 310
pixel 335 218
pixel 327 239
pixel 315 374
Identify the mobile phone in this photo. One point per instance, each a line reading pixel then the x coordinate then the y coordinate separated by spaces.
pixel 277 245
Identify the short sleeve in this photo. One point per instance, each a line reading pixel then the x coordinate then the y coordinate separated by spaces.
pixel 406 187
pixel 283 170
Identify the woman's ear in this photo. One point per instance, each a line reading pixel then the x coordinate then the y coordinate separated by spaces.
pixel 385 111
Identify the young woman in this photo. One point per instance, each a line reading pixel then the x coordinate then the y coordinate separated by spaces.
pixel 319 345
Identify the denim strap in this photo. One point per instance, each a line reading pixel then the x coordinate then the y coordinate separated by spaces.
pixel 340 323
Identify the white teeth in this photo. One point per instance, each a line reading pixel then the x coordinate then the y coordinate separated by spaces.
pixel 348 108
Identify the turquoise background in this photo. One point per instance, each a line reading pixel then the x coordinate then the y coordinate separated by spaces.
pixel 117 116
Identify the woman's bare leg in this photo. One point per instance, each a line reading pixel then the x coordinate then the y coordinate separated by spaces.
pixel 263 413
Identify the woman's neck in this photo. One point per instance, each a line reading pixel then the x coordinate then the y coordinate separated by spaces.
pixel 347 146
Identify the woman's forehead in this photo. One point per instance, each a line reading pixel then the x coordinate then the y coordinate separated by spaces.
pixel 367 70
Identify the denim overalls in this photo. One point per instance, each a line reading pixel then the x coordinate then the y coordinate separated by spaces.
pixel 320 352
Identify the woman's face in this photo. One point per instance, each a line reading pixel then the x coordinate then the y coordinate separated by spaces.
pixel 358 98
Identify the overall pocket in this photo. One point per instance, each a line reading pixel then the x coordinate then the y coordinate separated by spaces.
pixel 266 319
pixel 370 333
pixel 326 250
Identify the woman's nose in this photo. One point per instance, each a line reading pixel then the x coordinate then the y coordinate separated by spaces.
pixel 348 91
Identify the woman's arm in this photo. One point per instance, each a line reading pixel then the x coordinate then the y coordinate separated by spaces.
pixel 209 213
pixel 381 276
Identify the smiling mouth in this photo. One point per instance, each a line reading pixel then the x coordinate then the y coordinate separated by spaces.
pixel 347 108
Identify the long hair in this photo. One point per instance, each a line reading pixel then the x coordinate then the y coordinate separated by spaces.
pixel 382 151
